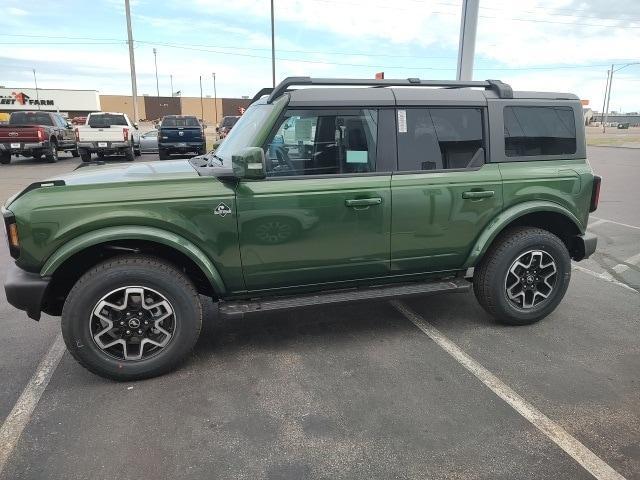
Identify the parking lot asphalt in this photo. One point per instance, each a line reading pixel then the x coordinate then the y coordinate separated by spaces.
pixel 354 391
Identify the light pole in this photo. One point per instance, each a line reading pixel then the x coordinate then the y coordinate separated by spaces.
pixel 201 104
pixel 613 70
pixel 604 100
pixel 155 60
pixel 467 42
pixel 273 49
pixel 215 97
pixel 171 80
pixel 132 63
pixel 35 80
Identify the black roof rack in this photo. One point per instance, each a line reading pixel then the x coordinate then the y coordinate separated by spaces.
pixel 501 89
pixel 261 93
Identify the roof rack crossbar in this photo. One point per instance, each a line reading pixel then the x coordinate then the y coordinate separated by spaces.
pixel 501 89
pixel 261 93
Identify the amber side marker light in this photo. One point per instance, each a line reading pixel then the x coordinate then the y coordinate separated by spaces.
pixel 13 238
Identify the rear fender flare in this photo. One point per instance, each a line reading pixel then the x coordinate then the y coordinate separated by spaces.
pixel 152 234
pixel 501 221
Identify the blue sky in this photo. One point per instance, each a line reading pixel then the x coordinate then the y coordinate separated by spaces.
pixel 561 45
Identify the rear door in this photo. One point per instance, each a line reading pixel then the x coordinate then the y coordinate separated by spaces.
pixel 444 193
pixel 323 213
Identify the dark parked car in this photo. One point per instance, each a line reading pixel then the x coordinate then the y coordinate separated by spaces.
pixel 34 134
pixel 226 125
pixel 180 134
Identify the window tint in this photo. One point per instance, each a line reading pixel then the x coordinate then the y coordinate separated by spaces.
pixel 316 143
pixel 439 138
pixel 530 131
pixel 106 120
pixel 180 122
pixel 30 118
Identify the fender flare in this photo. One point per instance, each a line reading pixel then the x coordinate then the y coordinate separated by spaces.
pixel 498 224
pixel 153 234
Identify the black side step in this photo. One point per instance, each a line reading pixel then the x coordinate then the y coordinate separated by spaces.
pixel 386 292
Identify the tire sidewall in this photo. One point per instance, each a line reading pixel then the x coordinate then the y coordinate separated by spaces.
pixel 81 301
pixel 560 256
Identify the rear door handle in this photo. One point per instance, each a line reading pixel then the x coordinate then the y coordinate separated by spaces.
pixel 478 194
pixel 363 202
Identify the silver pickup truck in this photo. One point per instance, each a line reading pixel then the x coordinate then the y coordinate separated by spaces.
pixel 108 133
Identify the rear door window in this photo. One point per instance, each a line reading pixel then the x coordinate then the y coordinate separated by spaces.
pixel 539 131
pixel 440 138
pixel 107 120
pixel 180 122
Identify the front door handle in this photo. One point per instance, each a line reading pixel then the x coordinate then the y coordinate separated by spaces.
pixel 478 194
pixel 363 202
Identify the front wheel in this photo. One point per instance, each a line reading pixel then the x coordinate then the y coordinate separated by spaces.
pixel 132 317
pixel 524 276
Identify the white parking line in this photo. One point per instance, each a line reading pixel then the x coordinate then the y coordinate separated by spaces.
pixel 22 410
pixel 606 276
pixel 597 222
pixel 580 453
pixel 614 222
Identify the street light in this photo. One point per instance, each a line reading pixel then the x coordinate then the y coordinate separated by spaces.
pixel 215 97
pixel 37 94
pixel 171 80
pixel 155 60
pixel 605 115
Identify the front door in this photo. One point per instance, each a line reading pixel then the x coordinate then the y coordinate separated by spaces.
pixel 443 194
pixel 323 213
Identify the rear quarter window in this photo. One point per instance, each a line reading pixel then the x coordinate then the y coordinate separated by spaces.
pixel 30 118
pixel 539 131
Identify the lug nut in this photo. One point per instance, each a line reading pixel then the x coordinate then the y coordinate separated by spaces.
pixel 146 322
pixel 140 332
pixel 121 323
pixel 128 332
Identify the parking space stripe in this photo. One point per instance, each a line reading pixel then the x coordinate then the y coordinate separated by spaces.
pixel 579 452
pixel 614 222
pixel 606 276
pixel 597 222
pixel 23 409
pixel 626 264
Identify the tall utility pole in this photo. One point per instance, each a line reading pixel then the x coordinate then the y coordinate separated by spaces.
pixel 273 49
pixel 604 100
pixel 132 64
pixel 467 42
pixel 201 104
pixel 35 80
pixel 215 97
pixel 155 61
pixel 171 80
pixel 613 70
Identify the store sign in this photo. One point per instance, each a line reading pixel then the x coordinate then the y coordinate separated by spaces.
pixel 49 99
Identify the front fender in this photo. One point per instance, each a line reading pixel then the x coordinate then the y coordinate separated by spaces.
pixel 499 223
pixel 136 233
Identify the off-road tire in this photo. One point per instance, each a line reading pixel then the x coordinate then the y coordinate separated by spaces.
pixel 489 279
pixel 85 155
pixel 51 155
pixel 5 158
pixel 140 271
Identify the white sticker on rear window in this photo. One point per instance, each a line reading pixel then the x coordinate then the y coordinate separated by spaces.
pixel 402 121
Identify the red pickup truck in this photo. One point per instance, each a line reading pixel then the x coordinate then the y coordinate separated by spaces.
pixel 36 134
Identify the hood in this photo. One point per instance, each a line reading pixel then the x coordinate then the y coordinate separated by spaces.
pixel 129 172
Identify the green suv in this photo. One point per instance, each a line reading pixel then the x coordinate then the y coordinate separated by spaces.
pixel 317 196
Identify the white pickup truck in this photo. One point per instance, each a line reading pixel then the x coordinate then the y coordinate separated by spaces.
pixel 108 133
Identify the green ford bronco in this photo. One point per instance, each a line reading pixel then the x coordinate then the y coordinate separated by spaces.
pixel 319 195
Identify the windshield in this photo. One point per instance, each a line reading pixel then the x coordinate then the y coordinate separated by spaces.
pixel 244 132
pixel 30 118
pixel 180 122
pixel 106 120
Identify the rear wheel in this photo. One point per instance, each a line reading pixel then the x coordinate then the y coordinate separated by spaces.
pixel 75 153
pixel 163 155
pixel 51 155
pixel 129 154
pixel 85 155
pixel 524 276
pixel 5 158
pixel 132 317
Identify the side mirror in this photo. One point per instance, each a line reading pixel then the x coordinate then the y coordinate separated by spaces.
pixel 249 163
pixel 135 125
pixel 217 129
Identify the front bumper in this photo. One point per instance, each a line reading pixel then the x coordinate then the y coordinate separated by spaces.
pixel 25 290
pixel 23 147
pixel 583 246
